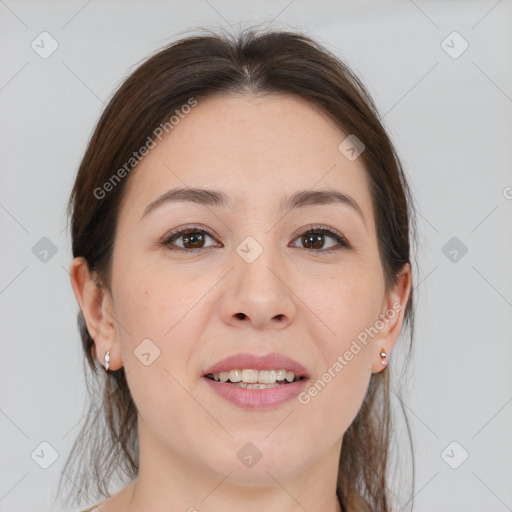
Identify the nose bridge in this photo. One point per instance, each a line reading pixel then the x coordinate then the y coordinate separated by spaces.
pixel 258 262
pixel 259 249
pixel 258 292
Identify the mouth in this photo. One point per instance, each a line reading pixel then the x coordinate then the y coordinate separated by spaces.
pixel 250 381
pixel 250 369
pixel 256 379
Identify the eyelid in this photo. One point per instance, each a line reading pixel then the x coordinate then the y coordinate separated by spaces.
pixel 343 242
pixel 321 227
pixel 182 229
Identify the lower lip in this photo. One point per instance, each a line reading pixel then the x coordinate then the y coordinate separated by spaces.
pixel 257 398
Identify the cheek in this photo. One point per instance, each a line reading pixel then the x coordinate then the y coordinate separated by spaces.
pixel 345 303
pixel 153 326
pixel 154 303
pixel 156 354
pixel 333 399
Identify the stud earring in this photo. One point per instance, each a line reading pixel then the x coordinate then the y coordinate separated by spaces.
pixel 107 360
pixel 383 355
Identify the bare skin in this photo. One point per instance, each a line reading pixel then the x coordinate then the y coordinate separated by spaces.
pixel 308 305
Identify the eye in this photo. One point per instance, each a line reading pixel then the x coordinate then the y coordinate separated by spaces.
pixel 314 237
pixel 193 239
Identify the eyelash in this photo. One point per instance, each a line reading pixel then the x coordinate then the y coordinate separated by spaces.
pixel 342 241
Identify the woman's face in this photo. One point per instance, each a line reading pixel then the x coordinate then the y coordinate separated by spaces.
pixel 254 285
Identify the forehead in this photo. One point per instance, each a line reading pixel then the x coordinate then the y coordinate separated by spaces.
pixel 253 148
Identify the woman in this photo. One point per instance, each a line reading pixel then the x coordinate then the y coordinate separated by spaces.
pixel 241 243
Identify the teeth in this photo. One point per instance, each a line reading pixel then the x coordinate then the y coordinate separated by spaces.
pixel 256 386
pixel 267 377
pixel 235 375
pixel 281 374
pixel 250 376
pixel 246 377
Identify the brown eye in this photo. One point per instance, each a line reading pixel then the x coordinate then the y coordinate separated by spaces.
pixel 314 240
pixel 192 239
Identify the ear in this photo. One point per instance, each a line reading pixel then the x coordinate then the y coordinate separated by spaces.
pixel 96 304
pixel 392 316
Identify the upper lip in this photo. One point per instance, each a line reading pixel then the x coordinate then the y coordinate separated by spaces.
pixel 271 361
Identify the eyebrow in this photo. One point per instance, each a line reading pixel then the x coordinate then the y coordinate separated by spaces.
pixel 300 199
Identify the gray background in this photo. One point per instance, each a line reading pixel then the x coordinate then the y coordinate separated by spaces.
pixel 450 119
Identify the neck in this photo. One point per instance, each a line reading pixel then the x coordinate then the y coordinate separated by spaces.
pixel 168 481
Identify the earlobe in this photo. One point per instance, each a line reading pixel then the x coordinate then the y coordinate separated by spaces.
pixel 381 364
pixel 394 311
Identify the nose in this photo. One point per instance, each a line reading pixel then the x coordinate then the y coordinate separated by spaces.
pixel 258 294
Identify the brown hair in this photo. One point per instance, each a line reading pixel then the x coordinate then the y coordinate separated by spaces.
pixel 271 61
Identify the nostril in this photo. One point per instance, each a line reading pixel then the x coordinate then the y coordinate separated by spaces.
pixel 241 316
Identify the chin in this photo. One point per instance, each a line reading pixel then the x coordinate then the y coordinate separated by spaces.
pixel 249 459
